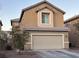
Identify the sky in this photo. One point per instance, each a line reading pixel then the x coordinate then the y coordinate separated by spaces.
pixel 11 9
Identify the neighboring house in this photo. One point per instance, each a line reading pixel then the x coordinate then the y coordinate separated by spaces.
pixel 73 34
pixel 1 25
pixel 15 22
pixel 45 23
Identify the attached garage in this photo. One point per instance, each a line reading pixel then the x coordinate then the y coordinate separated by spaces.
pixel 48 41
pixel 47 38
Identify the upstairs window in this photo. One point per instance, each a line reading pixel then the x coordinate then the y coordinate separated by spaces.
pixel 45 18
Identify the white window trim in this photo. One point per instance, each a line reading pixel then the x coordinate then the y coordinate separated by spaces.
pixel 50 24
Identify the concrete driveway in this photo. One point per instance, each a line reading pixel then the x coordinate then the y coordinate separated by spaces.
pixel 42 54
pixel 57 54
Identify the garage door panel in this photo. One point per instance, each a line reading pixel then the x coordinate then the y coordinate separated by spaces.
pixel 47 42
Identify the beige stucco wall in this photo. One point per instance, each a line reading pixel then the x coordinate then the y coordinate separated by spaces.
pixel 29 18
pixel 66 41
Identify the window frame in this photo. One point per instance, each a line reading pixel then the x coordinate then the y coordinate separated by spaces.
pixel 39 17
pixel 44 19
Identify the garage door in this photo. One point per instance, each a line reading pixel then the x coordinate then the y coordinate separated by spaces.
pixel 47 42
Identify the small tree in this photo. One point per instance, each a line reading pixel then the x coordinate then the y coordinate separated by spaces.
pixel 76 34
pixel 76 25
pixel 2 40
pixel 19 38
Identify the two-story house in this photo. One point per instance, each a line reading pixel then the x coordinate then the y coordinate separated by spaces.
pixel 45 23
pixel 73 34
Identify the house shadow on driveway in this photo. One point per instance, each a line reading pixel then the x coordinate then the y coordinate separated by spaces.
pixel 2 55
pixel 23 54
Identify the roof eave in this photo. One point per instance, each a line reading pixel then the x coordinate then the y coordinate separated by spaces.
pixel 37 5
pixel 71 19
pixel 47 30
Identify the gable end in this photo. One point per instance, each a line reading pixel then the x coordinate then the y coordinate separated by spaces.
pixel 25 9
